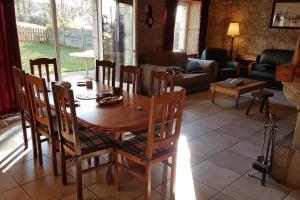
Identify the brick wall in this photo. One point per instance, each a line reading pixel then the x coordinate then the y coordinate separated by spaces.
pixel 150 39
pixel 254 18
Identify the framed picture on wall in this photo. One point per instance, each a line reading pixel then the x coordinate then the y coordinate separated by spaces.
pixel 285 14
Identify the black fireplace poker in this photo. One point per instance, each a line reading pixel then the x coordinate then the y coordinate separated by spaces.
pixel 263 163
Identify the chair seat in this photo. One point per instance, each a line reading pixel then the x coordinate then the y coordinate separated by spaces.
pixel 137 146
pixel 91 141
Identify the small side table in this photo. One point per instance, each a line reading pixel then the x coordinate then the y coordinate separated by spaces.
pixel 264 95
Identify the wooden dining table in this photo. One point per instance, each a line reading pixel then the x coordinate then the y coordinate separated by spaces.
pixel 132 114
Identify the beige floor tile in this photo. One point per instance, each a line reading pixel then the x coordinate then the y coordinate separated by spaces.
pixel 203 149
pixel 221 196
pixel 247 149
pixel 236 131
pixel 199 191
pixel 290 198
pixel 50 188
pixel 87 195
pixel 210 123
pixel 130 189
pixel 250 189
pixel 14 194
pixel 295 193
pixel 194 129
pixel 30 170
pixel 219 138
pixel 160 174
pixel 213 175
pixel 234 161
pixel 195 159
pixel 154 196
pixel 6 182
pixel 251 124
pixel 189 116
pixel 88 178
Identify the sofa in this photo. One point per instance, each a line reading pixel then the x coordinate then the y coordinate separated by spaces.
pixel 226 68
pixel 265 66
pixel 192 74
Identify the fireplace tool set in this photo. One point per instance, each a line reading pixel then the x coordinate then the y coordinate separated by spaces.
pixel 263 164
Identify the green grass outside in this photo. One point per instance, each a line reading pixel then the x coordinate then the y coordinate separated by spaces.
pixel 68 63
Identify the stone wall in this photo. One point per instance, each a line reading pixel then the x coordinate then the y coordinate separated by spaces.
pixel 255 33
pixel 150 39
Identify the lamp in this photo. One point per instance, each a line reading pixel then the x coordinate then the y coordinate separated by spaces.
pixel 233 30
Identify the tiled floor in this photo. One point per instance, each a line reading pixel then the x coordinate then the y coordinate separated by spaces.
pixel 216 149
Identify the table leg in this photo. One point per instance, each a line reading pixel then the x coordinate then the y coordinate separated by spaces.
pixel 213 96
pixel 237 101
pixel 86 68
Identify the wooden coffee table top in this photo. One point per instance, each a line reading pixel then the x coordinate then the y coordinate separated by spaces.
pixel 248 86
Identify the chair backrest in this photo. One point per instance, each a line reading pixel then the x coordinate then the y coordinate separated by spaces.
pixel 38 96
pixel 66 117
pixel 108 70
pixel 160 82
pixel 21 90
pixel 276 57
pixel 131 75
pixel 168 108
pixel 44 64
pixel 217 54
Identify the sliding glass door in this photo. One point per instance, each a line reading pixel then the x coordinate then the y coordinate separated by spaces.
pixel 118 28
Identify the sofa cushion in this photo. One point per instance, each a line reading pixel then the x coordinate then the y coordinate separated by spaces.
pixel 178 59
pixel 263 75
pixel 264 67
pixel 193 66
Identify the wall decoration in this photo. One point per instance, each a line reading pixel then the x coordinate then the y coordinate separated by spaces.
pixel 285 14
pixel 149 19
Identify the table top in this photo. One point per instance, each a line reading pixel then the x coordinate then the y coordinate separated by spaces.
pixel 83 54
pixel 131 114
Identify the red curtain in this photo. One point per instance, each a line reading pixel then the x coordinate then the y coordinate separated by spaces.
pixel 169 19
pixel 9 56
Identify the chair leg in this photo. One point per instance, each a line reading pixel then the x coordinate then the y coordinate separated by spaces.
pixel 39 148
pixel 250 106
pixel 33 139
pixel 109 170
pixel 148 182
pixel 54 160
pixel 89 161
pixel 117 172
pixel 96 161
pixel 79 179
pixel 63 165
pixel 24 130
pixel 173 175
pixel 262 105
pixel 267 113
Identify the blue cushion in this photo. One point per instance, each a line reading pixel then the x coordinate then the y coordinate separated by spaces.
pixel 193 65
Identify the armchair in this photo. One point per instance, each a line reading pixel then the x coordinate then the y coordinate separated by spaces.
pixel 226 68
pixel 265 66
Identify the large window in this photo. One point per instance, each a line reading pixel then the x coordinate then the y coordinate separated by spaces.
pixel 87 30
pixel 187 26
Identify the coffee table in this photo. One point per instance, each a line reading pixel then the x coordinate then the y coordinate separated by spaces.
pixel 249 85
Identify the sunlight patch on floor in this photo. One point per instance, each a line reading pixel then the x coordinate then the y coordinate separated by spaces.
pixel 184 180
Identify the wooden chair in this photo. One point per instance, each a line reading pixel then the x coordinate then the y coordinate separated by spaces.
pixel 157 145
pixel 108 70
pixel 21 90
pixel 131 76
pixel 160 82
pixel 44 63
pixel 42 117
pixel 79 142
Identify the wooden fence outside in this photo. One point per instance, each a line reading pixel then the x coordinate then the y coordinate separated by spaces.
pixel 28 35
pixel 80 38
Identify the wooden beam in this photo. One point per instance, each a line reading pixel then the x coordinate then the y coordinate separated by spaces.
pixel 56 37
